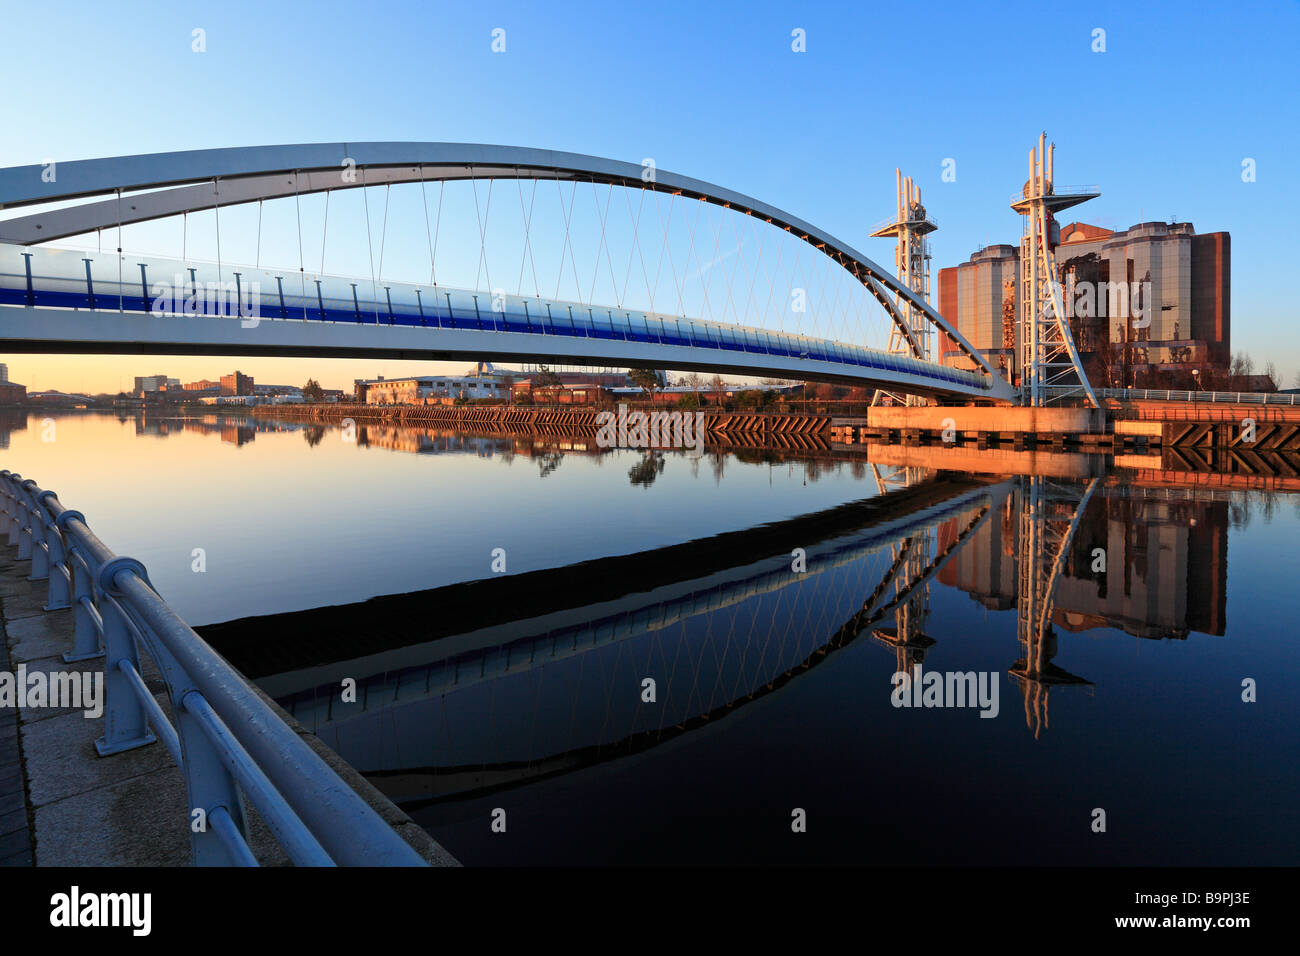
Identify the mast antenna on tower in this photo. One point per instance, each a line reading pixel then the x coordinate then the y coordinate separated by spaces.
pixel 909 226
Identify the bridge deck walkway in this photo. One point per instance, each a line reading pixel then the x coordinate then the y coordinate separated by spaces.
pixel 54 279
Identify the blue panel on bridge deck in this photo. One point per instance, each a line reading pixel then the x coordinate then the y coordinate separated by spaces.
pixel 57 279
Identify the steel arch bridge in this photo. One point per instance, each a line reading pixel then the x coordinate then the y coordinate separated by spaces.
pixel 56 306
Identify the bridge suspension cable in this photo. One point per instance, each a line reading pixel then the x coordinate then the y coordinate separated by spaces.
pixel 383 236
pixel 324 233
pixel 302 265
pixel 370 246
pixel 119 250
pixel 216 209
pixel 814 286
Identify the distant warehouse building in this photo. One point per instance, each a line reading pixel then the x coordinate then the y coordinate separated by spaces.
pixel 11 393
pixel 1157 292
pixel 435 389
pixel 575 393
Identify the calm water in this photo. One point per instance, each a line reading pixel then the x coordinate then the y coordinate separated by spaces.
pixel 525 692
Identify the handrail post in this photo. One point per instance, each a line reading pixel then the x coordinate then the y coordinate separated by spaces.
pixel 126 725
pixel 10 504
pixel 59 595
pixel 351 832
pixel 25 528
pixel 87 641
pixel 40 537
pixel 209 784
pixel 15 510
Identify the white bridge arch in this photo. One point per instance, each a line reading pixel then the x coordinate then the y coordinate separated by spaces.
pixel 201 180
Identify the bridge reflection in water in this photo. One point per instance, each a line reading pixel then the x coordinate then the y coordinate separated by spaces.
pixel 494 684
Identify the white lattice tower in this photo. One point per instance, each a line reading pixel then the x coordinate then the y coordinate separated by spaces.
pixel 1049 365
pixel 909 226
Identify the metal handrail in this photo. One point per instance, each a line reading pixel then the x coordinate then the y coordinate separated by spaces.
pixel 1087 190
pixel 1181 395
pixel 512 317
pixel 894 221
pixel 226 740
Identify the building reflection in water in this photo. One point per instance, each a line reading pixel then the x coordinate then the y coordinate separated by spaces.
pixel 1164 554
pixel 234 430
pixel 11 420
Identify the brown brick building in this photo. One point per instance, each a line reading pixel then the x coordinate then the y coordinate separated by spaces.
pixel 236 383
pixel 1184 299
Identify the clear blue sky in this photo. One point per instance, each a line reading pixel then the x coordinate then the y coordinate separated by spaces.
pixel 1162 120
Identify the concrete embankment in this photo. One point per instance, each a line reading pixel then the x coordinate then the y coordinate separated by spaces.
pixel 1257 428
pixel 1115 429
pixel 579 418
pixel 61 804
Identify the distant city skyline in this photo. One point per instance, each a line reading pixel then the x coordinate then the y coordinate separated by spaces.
pixel 1157 119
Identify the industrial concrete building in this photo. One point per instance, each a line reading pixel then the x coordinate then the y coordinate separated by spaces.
pixel 154 384
pixel 1157 292
pixel 480 382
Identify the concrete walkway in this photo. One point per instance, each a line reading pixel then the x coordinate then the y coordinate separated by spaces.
pixel 61 804
pixel 15 827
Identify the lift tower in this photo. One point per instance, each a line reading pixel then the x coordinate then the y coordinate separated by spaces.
pixel 1050 370
pixel 910 226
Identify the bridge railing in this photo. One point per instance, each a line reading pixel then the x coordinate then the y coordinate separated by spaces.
pixel 69 279
pixel 1178 395
pixel 893 221
pixel 229 744
pixel 1090 189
